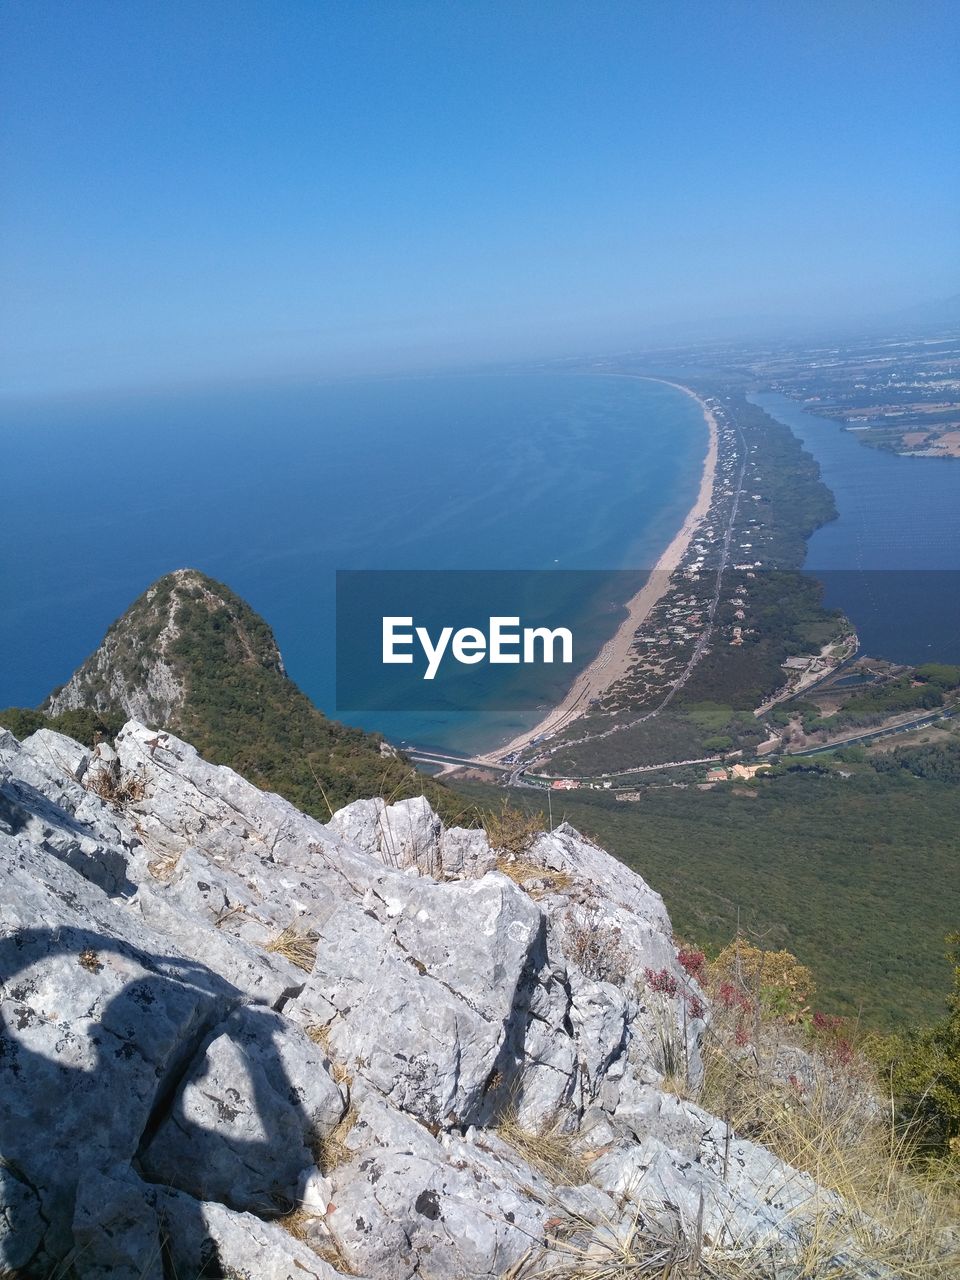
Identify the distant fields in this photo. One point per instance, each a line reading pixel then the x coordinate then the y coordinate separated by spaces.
pixel 858 876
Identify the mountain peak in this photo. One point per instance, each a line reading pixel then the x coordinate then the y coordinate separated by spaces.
pixel 143 666
pixel 189 656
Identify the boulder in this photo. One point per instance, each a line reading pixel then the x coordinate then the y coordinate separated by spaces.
pixel 22 1224
pixel 405 834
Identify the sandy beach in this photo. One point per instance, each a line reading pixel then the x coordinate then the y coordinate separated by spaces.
pixel 613 660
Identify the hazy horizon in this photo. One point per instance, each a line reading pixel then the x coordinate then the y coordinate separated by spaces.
pixel 198 193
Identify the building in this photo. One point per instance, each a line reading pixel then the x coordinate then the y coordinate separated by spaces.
pixel 746 770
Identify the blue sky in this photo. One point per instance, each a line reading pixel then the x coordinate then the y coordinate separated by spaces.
pixel 200 189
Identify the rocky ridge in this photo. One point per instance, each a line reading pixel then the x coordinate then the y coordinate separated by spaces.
pixel 137 669
pixel 237 1041
pixel 190 656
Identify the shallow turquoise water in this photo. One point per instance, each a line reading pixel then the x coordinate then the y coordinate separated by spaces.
pixel 272 489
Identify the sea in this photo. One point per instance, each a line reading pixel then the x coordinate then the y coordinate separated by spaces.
pixel 273 488
pixel 891 560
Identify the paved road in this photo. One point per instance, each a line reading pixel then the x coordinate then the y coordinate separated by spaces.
pixel 871 735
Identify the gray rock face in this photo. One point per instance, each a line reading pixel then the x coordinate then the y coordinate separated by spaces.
pixel 240 1127
pixel 616 929
pixel 463 1203
pixel 406 834
pixel 207 1239
pixel 427 1011
pixel 96 1012
pixel 216 1010
pixel 117 1230
pixel 22 1224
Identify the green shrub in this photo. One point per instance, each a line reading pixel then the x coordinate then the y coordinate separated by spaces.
pixel 924 1069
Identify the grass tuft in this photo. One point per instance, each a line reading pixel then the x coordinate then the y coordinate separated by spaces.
pixel 117 791
pixel 639 1246
pixel 822 1110
pixel 319 1033
pixel 547 1150
pixel 521 871
pixel 331 1150
pixel 297 946
pixel 305 1227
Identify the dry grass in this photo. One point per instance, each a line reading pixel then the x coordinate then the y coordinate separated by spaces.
pixel 303 1227
pixel 331 1150
pixel 297 946
pixel 521 870
pixel 89 960
pixel 298 1224
pixel 511 830
pixel 829 1120
pixel 596 947
pixel 547 1150
pixel 163 865
pixel 117 791
pixel 641 1245
pixel 891 1214
pixel 320 1035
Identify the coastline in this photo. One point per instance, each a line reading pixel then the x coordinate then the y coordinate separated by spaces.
pixel 613 660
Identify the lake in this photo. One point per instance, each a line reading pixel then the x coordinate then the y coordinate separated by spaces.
pixel 891 560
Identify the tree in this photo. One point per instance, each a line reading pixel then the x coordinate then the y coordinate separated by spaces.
pixel 924 1069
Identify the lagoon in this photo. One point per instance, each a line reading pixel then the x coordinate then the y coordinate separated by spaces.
pixel 891 560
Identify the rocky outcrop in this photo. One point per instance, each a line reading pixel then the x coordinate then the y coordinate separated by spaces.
pixel 234 1037
pixel 137 669
pixel 191 657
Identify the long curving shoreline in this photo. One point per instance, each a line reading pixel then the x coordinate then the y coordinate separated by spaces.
pixel 613 660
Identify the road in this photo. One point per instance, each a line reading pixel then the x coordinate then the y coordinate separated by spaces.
pixel 870 735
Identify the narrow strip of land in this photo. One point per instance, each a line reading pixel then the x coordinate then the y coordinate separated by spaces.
pixel 614 659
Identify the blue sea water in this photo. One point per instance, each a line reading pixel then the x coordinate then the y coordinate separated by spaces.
pixel 271 489
pixel 891 560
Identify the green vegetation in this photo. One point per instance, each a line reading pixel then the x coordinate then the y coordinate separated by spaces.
pixel 938 761
pixel 238 707
pixel 83 725
pixel 824 1119
pixel 855 876
pixel 256 720
pixel 941 674
pixel 924 1069
pixel 874 705
pixel 795 499
pixel 785 617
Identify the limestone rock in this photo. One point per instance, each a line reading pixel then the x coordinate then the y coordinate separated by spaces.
pixel 21 1221
pixel 148 680
pixel 207 1239
pixel 117 1232
pixel 95 1009
pixel 240 1128
pixel 616 929
pixel 468 1204
pixel 169 935
pixel 406 834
